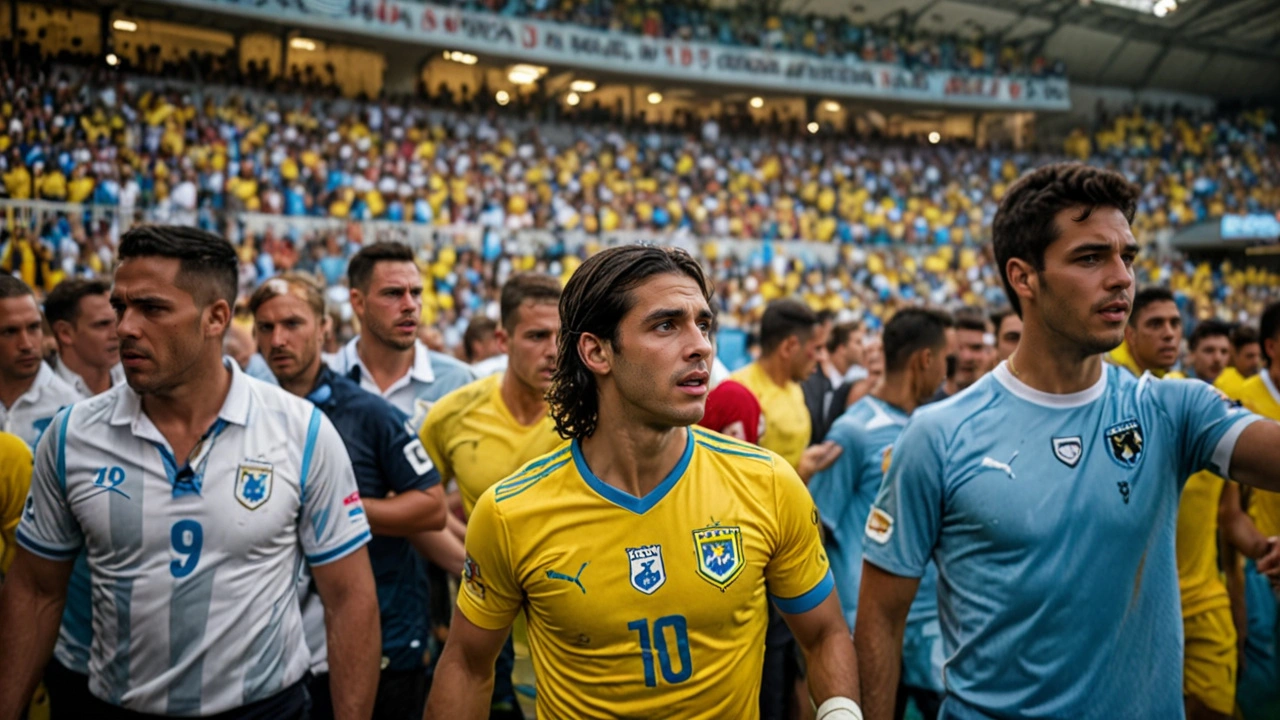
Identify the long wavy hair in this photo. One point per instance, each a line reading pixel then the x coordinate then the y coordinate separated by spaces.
pixel 594 301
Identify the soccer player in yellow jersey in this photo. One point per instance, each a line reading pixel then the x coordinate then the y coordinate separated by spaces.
pixel 642 552
pixel 1153 337
pixel 483 432
pixel 15 481
pixel 1259 691
pixel 789 344
pixel 1208 503
pixel 1243 362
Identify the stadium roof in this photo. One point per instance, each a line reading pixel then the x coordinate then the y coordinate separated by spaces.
pixel 1223 48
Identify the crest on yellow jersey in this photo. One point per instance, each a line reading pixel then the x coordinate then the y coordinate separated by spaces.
pixel 720 556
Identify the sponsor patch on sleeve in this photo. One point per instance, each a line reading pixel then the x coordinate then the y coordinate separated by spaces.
pixel 879 525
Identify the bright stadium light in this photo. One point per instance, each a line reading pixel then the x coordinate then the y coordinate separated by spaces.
pixel 582 86
pixel 756 102
pixel 935 137
pixel 502 97
pixel 1158 8
pixel 812 127
pixel 461 57
pixel 300 43
pixel 831 106
pixel 655 98
pixel 125 26
pixel 113 59
pixel 573 99
pixel 525 74
pixel 1163 8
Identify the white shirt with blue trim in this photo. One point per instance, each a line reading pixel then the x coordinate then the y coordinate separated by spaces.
pixel 34 409
pixel 432 376
pixel 192 566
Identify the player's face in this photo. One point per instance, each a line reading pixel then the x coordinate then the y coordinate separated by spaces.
pixel 806 355
pixel 391 309
pixel 1008 335
pixel 661 364
pixel 971 357
pixel 95 337
pixel 933 373
pixel 531 344
pixel 1248 359
pixel 289 336
pixel 1210 357
pixel 1086 289
pixel 1155 336
pixel 164 335
pixel 21 338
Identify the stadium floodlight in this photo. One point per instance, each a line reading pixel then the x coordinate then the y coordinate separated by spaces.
pixel 113 59
pixel 125 25
pixel 935 137
pixel 831 106
pixel 300 43
pixel 812 127
pixel 525 74
pixel 573 99
pixel 502 97
pixel 461 57
pixel 655 98
pixel 756 102
pixel 1163 8
pixel 1159 8
pixel 582 86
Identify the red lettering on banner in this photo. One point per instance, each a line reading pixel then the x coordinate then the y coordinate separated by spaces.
pixel 529 36
pixel 686 56
pixel 1015 90
pixel 450 23
pixel 429 23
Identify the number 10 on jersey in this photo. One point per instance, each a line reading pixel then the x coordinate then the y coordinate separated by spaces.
pixel 657 640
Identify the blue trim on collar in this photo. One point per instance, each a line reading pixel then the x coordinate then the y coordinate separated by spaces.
pixel 626 500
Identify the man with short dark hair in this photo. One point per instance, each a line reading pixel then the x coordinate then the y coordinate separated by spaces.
pixel 788 354
pixel 84 325
pixel 1210 345
pixel 915 347
pixel 1008 332
pixel 196 493
pixel 1153 336
pixel 1245 359
pixel 479 342
pixel 30 392
pixel 972 331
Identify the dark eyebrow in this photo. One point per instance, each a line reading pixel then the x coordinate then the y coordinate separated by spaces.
pixel 666 314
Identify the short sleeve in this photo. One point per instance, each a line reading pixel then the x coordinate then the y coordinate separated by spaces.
pixel 798 574
pixel 15 485
pixel 333 524
pixel 431 438
pixel 905 521
pixel 48 528
pixel 490 596
pixel 1207 424
pixel 404 463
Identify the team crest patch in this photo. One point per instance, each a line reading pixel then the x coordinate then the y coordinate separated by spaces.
pixel 1068 450
pixel 471 577
pixel 647 572
pixel 879 525
pixel 720 556
pixel 1125 442
pixel 253 484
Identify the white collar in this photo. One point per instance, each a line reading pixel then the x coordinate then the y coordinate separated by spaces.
pixel 1053 400
pixel 235 408
pixel 76 380
pixel 45 377
pixel 420 370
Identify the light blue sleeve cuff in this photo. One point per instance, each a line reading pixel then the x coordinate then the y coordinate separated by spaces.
pixel 809 600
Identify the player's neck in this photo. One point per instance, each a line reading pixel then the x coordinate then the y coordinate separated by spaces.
pixel 527 405
pixel 632 456
pixel 97 379
pixel 1055 367
pixel 778 370
pixel 895 389
pixel 304 383
pixel 13 388
pixel 386 363
pixel 184 412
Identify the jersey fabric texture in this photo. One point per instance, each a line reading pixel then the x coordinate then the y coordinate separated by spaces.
pixel 473 438
pixel 1051 520
pixel 34 409
pixel 786 417
pixel 385 458
pixel 15 483
pixel 193 566
pixel 731 404
pixel 647 607
pixel 1229 381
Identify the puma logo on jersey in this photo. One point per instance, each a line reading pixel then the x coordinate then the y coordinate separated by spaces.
pixel 1006 468
pixel 575 579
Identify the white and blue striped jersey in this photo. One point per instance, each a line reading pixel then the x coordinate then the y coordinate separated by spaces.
pixel 192 566
pixel 432 376
pixel 1051 520
pixel 34 409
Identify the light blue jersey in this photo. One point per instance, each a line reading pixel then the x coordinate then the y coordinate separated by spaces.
pixel 1051 519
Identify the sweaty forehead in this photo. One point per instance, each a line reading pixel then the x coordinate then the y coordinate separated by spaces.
pixel 398 273
pixel 20 310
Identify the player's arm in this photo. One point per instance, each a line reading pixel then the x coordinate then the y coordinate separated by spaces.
pixel 1256 459
pixel 1240 532
pixel 817 458
pixel 883 602
pixel 407 513
pixel 441 547
pixel 417 503
pixel 823 636
pixel 351 626
pixel 462 688
pixel 31 603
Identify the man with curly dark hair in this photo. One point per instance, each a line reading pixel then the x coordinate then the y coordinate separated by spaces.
pixel 642 551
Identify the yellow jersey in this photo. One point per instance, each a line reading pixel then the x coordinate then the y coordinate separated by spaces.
pixel 1124 358
pixel 473 438
pixel 786 418
pixel 1230 381
pixel 1198 577
pixel 647 607
pixel 15 482
pixel 1258 394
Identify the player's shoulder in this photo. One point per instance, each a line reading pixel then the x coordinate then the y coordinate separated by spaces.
pixel 13 448
pixel 514 491
pixel 463 399
pixel 949 416
pixel 55 390
pixel 273 404
pixel 449 370
pixel 349 398
pixel 741 458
